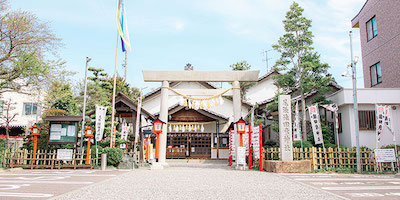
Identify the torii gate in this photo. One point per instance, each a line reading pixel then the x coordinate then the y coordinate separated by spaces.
pixel 193 76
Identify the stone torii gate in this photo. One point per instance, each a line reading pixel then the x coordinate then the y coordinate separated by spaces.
pixel 196 76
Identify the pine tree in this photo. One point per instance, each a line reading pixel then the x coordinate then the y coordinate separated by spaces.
pixel 300 68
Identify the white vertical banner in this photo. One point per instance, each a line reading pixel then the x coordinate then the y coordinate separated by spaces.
pixel 296 124
pixel 232 144
pixel 255 141
pixel 388 117
pixel 124 134
pixel 285 127
pixel 316 124
pixel 380 111
pixel 100 119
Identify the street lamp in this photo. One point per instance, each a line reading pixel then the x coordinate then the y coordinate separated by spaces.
pixel 241 129
pixel 89 134
pixel 35 133
pixel 354 77
pixel 84 100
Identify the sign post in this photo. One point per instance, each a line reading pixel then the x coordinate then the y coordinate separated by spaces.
pixel 285 127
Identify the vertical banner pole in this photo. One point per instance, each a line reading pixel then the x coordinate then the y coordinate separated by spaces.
pixel 112 139
pixel 250 149
pixel 260 146
pixel 230 147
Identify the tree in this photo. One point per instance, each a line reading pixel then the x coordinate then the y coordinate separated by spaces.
pixel 244 86
pixel 301 70
pixel 24 43
pixel 7 117
pixel 60 95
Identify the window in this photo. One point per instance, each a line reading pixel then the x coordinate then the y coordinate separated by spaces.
pixel 371 28
pixel 30 108
pixel 366 120
pixel 376 74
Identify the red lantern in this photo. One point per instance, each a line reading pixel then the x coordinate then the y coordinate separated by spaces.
pixel 158 126
pixel 35 130
pixel 89 131
pixel 241 126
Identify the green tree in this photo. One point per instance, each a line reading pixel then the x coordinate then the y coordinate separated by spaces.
pixel 99 92
pixel 301 70
pixel 244 86
pixel 60 95
pixel 24 43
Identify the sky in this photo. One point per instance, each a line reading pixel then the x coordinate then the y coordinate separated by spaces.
pixel 209 34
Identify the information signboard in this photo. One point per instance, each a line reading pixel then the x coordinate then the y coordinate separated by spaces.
pixel 385 155
pixel 62 132
pixel 241 159
pixel 64 154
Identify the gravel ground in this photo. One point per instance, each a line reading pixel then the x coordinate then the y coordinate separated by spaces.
pixel 196 181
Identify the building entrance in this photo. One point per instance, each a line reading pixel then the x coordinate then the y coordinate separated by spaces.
pixel 189 145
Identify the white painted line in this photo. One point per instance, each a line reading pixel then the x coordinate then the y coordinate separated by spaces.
pixel 47 182
pixel 94 175
pixel 345 179
pixel 11 187
pixel 39 178
pixel 365 194
pixel 26 195
pixel 362 188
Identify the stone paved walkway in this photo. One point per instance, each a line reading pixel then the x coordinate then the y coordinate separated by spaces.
pixel 197 181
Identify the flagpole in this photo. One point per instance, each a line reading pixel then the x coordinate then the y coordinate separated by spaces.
pixel 126 63
pixel 112 139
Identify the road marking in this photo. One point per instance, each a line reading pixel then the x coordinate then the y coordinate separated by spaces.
pixel 11 187
pixel 365 194
pixel 47 182
pixel 345 179
pixel 29 195
pixel 58 175
pixel 362 188
pixel 35 178
pixel 341 183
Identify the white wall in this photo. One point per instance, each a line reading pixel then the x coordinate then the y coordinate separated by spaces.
pixel 367 98
pixel 20 99
pixel 262 91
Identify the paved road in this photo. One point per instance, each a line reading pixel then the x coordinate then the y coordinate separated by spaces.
pixel 198 181
pixel 366 187
pixel 43 184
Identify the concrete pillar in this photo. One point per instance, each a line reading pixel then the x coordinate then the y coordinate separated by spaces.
pixel 163 117
pixel 237 107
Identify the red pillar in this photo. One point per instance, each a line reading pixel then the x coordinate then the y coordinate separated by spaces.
pixel 260 146
pixel 230 147
pixel 250 149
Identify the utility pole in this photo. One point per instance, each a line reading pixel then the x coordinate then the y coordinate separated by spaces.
pixel 354 77
pixel 84 103
pixel 265 52
pixel 126 63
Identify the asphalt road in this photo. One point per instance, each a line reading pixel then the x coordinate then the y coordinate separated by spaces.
pixel 353 186
pixel 44 184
